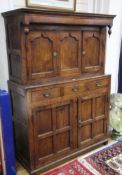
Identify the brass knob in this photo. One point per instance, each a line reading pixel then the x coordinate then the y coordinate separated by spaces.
pixel 55 54
pixel 83 53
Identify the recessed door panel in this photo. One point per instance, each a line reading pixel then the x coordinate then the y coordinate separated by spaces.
pixel 44 120
pixel 69 51
pixel 93 50
pixel 63 116
pixel 85 133
pixel 45 148
pixel 41 49
pixel 99 128
pixel 63 141
pixel 83 113
pixel 100 106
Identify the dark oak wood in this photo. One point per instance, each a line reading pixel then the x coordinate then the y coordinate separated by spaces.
pixel 59 93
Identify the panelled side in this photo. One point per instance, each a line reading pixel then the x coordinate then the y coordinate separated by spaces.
pixel 14 48
pixel 20 125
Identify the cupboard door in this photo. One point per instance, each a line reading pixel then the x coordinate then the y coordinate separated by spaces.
pixel 69 53
pixel 53 132
pixel 93 51
pixel 41 54
pixel 92 119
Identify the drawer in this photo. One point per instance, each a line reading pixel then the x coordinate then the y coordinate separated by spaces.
pixel 45 93
pixel 74 88
pixel 97 83
pixel 85 86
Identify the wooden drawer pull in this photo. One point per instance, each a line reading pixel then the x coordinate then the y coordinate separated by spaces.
pixel 98 84
pixel 46 94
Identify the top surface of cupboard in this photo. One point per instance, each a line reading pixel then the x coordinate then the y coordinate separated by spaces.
pixel 49 44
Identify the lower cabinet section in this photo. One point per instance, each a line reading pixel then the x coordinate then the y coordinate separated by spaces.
pixel 55 129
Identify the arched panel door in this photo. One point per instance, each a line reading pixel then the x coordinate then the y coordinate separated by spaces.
pixel 41 54
pixel 69 53
pixel 93 51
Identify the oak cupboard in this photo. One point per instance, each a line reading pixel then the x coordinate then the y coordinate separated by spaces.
pixel 59 92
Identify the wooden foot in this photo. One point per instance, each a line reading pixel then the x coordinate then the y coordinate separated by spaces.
pixel 105 143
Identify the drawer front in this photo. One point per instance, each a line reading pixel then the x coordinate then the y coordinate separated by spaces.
pixel 86 86
pixel 97 83
pixel 74 88
pixel 45 94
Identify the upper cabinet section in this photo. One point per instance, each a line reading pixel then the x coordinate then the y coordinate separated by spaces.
pixel 48 44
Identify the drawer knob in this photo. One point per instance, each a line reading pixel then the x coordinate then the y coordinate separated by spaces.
pixel 75 89
pixel 47 94
pixel 55 54
pixel 98 84
pixel 84 52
